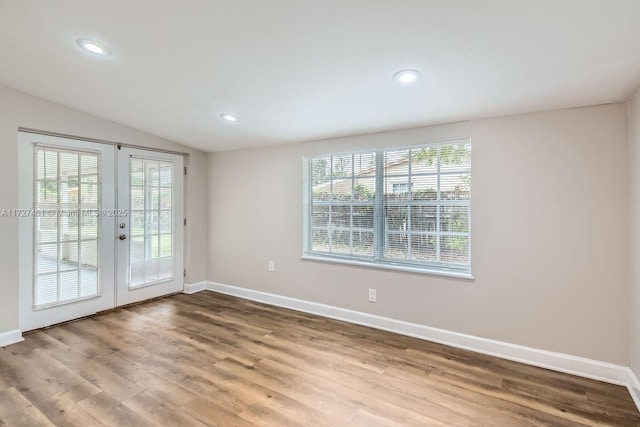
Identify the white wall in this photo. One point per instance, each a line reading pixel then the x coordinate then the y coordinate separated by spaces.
pixel 21 110
pixel 550 233
pixel 634 233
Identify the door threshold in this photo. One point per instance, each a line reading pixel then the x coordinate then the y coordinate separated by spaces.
pixel 131 304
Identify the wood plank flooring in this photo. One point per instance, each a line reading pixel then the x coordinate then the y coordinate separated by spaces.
pixel 210 359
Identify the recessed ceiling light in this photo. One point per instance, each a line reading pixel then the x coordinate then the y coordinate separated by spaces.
pixel 229 117
pixel 407 77
pixel 93 47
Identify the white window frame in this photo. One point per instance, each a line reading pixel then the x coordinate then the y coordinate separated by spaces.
pixel 379 230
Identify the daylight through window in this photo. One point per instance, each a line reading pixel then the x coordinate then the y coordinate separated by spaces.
pixel 405 208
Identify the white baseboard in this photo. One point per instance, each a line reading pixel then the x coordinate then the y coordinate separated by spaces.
pixel 589 368
pixel 634 387
pixel 194 287
pixel 561 362
pixel 10 337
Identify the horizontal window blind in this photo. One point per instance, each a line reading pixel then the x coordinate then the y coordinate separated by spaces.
pixel 66 226
pixel 396 207
pixel 152 245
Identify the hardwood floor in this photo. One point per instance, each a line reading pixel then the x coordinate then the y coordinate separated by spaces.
pixel 210 359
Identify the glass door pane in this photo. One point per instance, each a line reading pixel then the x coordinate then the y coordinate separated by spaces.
pixel 151 251
pixel 66 222
pixel 150 247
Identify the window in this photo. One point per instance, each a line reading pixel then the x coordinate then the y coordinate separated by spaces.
pixel 403 208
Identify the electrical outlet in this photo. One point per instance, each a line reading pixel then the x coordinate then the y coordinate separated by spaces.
pixel 271 266
pixel 372 295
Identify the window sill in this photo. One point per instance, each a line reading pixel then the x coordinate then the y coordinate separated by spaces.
pixel 389 266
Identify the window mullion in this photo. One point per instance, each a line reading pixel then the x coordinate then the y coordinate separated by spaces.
pixel 409 192
pixel 58 205
pixel 308 203
pixel 378 207
pixel 353 160
pixel 330 224
pixel 438 205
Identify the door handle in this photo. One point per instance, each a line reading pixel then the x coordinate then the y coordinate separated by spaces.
pixel 122 236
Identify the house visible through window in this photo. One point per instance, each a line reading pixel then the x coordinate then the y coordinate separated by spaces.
pixel 401 188
pixel 405 208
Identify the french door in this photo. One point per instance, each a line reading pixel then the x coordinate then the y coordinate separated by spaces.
pixel 99 227
pixel 149 245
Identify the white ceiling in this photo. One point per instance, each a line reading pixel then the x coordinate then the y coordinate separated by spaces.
pixel 297 70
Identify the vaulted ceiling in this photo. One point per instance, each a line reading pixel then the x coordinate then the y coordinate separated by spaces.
pixel 297 70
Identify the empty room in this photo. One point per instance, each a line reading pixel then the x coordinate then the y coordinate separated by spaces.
pixel 320 213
